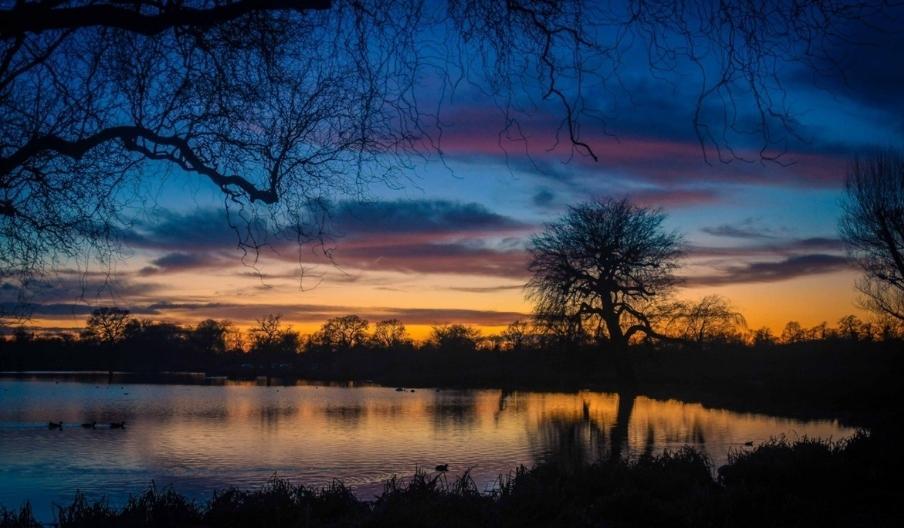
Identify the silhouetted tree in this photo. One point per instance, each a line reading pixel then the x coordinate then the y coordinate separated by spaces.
pixel 272 343
pixel 604 263
pixel 561 331
pixel 342 333
pixel 889 328
pixel 793 333
pixel 712 318
pixel 873 227
pixel 210 336
pixel 107 325
pixel 867 331
pixel 455 338
pixel 763 337
pixel 148 344
pixel 268 330
pixel 135 328
pixel 820 331
pixel 516 336
pixel 390 334
pixel 850 327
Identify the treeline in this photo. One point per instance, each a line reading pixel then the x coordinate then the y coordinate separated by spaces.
pixel 708 323
pixel 113 339
pixel 852 365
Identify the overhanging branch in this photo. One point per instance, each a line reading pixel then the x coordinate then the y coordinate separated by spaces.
pixel 129 136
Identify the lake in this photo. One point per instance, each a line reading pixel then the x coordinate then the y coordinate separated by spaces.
pixel 209 435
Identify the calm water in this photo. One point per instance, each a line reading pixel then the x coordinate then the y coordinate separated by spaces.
pixel 203 437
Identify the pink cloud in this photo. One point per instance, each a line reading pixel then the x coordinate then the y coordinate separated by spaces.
pixel 648 158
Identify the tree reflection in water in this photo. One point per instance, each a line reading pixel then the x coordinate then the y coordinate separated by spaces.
pixel 573 439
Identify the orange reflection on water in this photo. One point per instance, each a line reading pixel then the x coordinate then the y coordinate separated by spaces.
pixel 203 437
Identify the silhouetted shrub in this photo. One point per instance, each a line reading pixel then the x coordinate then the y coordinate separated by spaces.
pixel 812 482
pixel 16 519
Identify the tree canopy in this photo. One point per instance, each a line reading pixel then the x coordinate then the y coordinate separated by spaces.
pixel 603 265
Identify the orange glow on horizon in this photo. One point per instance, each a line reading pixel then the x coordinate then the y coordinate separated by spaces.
pixel 809 301
pixel 422 301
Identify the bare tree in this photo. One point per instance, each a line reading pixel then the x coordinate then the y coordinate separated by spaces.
pixel 389 334
pixel 604 264
pixel 517 336
pixel 107 325
pixel 763 337
pixel 793 333
pixel 268 331
pixel 873 227
pixel 712 318
pixel 277 103
pixel 850 327
pixel 272 342
pixel 343 333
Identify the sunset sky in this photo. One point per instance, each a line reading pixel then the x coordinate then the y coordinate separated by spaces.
pixel 446 244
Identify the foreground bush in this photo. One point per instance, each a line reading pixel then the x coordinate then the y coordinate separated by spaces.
pixel 855 482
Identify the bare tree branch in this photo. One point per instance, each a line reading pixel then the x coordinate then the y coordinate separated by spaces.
pixel 873 227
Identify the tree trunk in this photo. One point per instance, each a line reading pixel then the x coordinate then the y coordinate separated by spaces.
pixel 624 368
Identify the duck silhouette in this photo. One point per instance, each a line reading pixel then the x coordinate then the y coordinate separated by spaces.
pixel 55 425
pixel 749 444
pixel 442 468
pixel 90 425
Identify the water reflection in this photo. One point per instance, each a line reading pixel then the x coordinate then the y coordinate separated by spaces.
pixel 205 436
pixel 453 410
pixel 347 415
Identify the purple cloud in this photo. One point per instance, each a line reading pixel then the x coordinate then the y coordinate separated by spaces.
pixel 788 268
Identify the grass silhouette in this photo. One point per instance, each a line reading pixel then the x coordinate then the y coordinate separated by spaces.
pixel 854 482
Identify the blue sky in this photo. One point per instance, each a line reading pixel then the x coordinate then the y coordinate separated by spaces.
pixel 445 242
